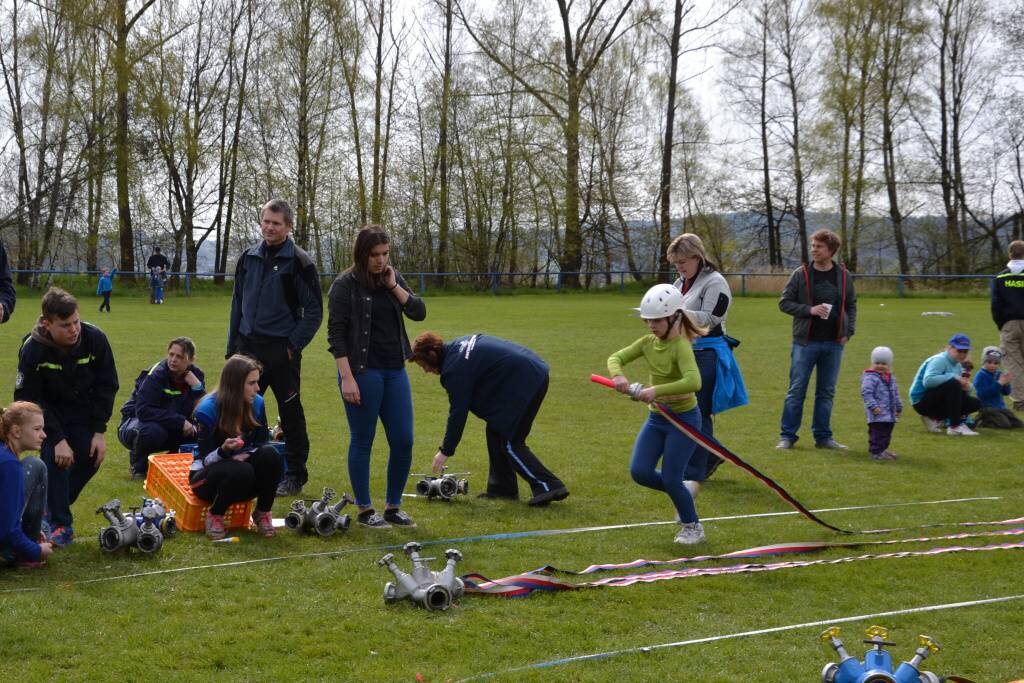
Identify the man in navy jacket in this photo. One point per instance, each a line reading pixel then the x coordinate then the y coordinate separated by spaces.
pixel 276 310
pixel 504 385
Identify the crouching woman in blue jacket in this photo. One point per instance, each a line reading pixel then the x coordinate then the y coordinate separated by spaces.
pixel 234 461
pixel 504 385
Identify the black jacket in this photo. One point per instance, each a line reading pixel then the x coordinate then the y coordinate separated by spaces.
pixel 1007 298
pixel 348 319
pixel 158 399
pixel 8 296
pixel 71 387
pixel 283 301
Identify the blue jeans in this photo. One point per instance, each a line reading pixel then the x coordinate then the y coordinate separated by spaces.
pixel 385 394
pixel 707 364
pixel 826 356
pixel 660 440
pixel 35 503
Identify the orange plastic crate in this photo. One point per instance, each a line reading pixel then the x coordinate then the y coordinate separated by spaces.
pixel 167 480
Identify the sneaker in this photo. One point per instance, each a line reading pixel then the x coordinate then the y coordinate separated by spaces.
pixel 396 517
pixel 713 463
pixel 690 534
pixel 830 444
pixel 693 487
pixel 961 430
pixel 138 476
pixel 892 456
pixel 215 527
pixel 884 455
pixel 931 424
pixel 545 497
pixel 784 444
pixel 289 486
pixel 369 518
pixel 62 536
pixel 264 522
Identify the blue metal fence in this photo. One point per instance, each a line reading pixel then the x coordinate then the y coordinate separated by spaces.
pixel 494 281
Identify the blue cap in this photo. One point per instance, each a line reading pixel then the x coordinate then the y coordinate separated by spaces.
pixel 960 341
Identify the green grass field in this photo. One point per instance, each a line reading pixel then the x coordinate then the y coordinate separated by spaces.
pixel 303 617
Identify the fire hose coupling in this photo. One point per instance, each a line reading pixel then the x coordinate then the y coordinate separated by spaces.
pixel 435 591
pixel 320 517
pixel 446 486
pixel 877 666
pixel 165 519
pixel 123 532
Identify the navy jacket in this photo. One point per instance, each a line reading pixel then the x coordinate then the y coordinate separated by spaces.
pixel 71 387
pixel 12 503
pixel 8 296
pixel 158 399
pixel 491 377
pixel 282 301
pixel 1007 297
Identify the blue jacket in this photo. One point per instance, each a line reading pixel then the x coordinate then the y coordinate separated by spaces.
pixel 491 377
pixel 879 392
pixel 157 398
pixel 8 296
pixel 106 283
pixel 990 391
pixel 934 372
pixel 12 502
pixel 730 390
pixel 210 439
pixel 76 386
pixel 282 301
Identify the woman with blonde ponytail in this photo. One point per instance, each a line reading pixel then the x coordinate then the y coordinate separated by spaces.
pixel 22 487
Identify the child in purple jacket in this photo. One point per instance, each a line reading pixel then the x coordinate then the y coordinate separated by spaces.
pixel 881 403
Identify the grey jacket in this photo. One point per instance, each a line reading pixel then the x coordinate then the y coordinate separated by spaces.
pixel 282 301
pixel 708 300
pixel 796 301
pixel 348 319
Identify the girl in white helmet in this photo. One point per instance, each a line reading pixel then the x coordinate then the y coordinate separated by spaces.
pixel 674 380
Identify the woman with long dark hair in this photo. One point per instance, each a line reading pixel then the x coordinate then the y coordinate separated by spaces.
pixel 366 333
pixel 233 460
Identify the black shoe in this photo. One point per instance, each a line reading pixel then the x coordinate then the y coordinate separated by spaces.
pixel 545 497
pixel 369 518
pixel 784 444
pixel 138 476
pixel 396 517
pixel 487 495
pixel 713 464
pixel 289 486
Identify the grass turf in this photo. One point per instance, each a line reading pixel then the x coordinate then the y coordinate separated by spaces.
pixel 323 617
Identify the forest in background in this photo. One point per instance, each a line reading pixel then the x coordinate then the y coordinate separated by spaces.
pixel 515 135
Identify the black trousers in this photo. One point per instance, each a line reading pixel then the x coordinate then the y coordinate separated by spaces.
pixel 948 401
pixel 65 483
pixel 142 439
pixel 509 455
pixel 106 302
pixel 232 481
pixel 282 376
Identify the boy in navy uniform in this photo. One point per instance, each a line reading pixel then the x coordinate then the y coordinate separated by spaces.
pixel 67 368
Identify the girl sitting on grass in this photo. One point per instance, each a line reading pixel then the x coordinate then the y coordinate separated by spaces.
pixel 674 380
pixel 22 486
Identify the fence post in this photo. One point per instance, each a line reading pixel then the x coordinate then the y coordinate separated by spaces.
pixel 558 282
pixel 899 287
pixel 188 286
pixel 494 283
pixel 743 284
pixel 423 283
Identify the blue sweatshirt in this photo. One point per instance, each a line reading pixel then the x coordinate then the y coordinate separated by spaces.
pixel 990 391
pixel 492 378
pixel 934 372
pixel 106 283
pixel 12 503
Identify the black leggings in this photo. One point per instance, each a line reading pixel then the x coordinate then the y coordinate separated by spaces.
pixel 948 401
pixel 231 481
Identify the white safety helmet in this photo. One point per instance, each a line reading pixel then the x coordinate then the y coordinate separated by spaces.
pixel 660 301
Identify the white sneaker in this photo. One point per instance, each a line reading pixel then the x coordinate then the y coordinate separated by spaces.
pixel 693 487
pixel 961 430
pixel 933 426
pixel 691 534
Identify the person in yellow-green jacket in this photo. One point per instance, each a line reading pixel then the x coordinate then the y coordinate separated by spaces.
pixel 674 381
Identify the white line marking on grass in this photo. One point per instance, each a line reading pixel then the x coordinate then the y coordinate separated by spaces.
pixel 743 634
pixel 472 539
